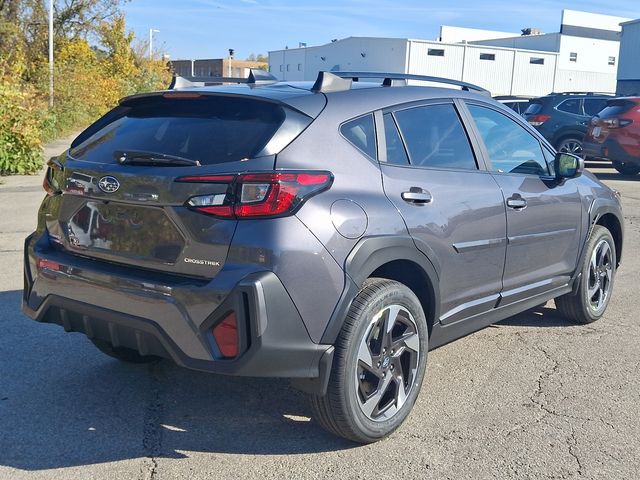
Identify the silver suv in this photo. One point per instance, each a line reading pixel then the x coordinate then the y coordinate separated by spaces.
pixel 330 232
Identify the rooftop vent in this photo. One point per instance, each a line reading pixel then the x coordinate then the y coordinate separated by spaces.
pixel 531 31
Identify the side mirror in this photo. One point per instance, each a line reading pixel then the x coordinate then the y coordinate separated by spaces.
pixel 568 165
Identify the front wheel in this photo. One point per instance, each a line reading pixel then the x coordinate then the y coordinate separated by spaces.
pixel 379 364
pixel 596 281
pixel 626 168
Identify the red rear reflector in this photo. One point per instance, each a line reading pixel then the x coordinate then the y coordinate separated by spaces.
pixel 207 179
pixel 43 263
pixel 226 335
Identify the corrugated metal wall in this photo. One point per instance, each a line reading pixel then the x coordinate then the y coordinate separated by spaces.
pixel 629 64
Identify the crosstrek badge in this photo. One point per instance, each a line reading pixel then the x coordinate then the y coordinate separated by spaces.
pixel 198 261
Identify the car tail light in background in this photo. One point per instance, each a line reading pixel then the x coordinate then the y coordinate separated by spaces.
pixel 255 195
pixel 616 122
pixel 226 336
pixel 538 120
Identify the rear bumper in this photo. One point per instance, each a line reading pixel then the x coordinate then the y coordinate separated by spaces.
pixel 609 150
pixel 172 318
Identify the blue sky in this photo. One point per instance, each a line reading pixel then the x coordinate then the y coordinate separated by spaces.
pixel 207 28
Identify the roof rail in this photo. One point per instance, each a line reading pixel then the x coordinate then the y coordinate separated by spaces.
pixel 256 77
pixel 582 93
pixel 327 81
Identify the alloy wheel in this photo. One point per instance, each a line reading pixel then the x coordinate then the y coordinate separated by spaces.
pixel 600 275
pixel 388 358
pixel 572 146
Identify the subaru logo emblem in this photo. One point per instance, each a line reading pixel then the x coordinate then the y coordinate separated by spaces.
pixel 109 184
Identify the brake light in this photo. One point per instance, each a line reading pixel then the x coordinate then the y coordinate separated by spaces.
pixel 226 336
pixel 252 195
pixel 45 264
pixel 538 120
pixel 617 122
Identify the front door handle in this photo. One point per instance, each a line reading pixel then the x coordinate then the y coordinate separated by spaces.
pixel 417 195
pixel 516 202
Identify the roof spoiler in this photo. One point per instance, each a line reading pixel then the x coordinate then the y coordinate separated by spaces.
pixel 340 81
pixel 256 77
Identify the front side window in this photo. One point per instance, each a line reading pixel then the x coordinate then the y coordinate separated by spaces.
pixel 435 137
pixel 361 133
pixel 593 105
pixel 511 148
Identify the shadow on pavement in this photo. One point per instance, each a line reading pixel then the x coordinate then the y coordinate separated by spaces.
pixel 63 403
pixel 538 317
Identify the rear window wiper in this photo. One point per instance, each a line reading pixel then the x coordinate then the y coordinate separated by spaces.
pixel 133 157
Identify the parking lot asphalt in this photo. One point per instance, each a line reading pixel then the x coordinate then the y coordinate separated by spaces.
pixel 531 397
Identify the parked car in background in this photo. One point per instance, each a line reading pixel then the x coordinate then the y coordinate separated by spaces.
pixel 614 134
pixel 515 103
pixel 563 118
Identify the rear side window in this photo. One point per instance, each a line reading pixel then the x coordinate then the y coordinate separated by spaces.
pixel 570 106
pixel 209 129
pixel 533 108
pixel 615 108
pixel 396 153
pixel 434 137
pixel 593 105
pixel 361 133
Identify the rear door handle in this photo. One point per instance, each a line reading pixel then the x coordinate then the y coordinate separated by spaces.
pixel 516 202
pixel 417 195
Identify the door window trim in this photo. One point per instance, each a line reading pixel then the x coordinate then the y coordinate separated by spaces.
pixel 455 102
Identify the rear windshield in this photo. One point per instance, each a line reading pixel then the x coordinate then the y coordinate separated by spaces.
pixel 533 108
pixel 209 129
pixel 615 108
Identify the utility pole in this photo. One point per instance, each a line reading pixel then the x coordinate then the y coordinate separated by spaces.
pixel 50 53
pixel 231 52
pixel 151 32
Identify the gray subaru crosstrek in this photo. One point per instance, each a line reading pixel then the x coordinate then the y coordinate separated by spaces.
pixel 329 232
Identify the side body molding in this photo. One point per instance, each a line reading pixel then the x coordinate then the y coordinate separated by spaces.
pixel 369 254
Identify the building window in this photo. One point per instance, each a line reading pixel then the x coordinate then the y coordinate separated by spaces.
pixel 299 67
pixel 436 52
pixel 536 60
pixel 573 57
pixel 487 56
pixel 269 67
pixel 288 67
pixel 612 60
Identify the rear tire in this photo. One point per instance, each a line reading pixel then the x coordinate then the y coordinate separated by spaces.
pixel 598 269
pixel 626 168
pixel 570 145
pixel 379 364
pixel 122 353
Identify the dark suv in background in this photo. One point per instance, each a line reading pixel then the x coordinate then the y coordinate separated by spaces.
pixel 563 118
pixel 614 134
pixel 330 232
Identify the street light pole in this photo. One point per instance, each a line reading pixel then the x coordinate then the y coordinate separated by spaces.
pixel 50 53
pixel 151 32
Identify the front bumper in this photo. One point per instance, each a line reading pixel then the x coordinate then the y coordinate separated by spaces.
pixel 172 316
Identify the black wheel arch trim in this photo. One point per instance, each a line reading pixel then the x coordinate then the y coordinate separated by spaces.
pixel 366 257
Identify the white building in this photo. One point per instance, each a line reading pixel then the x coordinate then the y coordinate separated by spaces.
pixel 588 45
pixel 581 57
pixel 629 65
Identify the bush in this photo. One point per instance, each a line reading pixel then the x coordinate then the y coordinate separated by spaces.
pixel 20 122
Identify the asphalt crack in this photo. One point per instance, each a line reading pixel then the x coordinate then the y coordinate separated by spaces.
pixel 152 432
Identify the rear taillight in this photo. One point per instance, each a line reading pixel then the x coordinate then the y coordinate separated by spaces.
pixel 538 120
pixel 226 336
pixel 251 195
pixel 616 122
